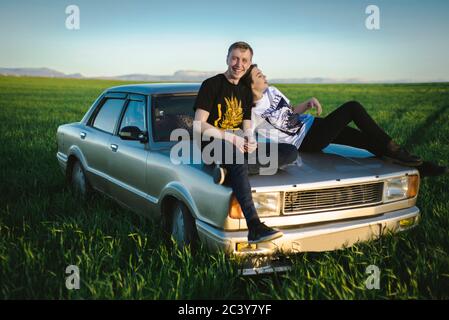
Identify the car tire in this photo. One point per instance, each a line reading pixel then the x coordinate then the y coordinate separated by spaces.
pixel 182 227
pixel 78 182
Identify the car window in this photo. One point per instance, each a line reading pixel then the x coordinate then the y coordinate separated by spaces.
pixel 108 115
pixel 134 115
pixel 170 113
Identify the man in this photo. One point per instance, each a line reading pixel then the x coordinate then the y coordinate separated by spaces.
pixel 223 106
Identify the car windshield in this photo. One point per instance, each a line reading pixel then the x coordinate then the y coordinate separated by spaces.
pixel 172 112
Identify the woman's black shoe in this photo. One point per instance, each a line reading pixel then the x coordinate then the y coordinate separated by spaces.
pixel 430 169
pixel 399 155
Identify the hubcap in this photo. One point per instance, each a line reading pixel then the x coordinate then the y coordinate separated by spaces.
pixel 79 180
pixel 178 227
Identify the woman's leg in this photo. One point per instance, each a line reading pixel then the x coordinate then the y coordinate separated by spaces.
pixel 357 139
pixel 326 130
pixel 287 154
pixel 333 128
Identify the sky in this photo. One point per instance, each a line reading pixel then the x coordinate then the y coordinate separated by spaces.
pixel 291 39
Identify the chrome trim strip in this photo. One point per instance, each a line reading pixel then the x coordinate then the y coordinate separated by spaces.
pixel 334 183
pixel 123 185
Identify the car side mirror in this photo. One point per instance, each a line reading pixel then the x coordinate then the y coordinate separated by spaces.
pixel 133 133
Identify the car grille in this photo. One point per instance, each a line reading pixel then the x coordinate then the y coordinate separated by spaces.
pixel 332 198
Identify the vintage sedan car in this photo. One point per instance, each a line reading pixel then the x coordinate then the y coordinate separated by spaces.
pixel 324 201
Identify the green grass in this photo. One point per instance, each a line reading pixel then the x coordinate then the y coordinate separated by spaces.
pixel 43 229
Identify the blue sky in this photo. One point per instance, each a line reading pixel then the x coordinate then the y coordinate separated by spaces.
pixel 291 39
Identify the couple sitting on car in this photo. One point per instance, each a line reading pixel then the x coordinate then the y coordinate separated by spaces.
pixel 224 107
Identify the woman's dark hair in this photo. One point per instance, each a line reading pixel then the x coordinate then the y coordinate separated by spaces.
pixel 246 79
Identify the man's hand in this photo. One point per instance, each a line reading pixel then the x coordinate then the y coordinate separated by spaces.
pixel 246 144
pixel 314 103
pixel 239 143
pixel 251 144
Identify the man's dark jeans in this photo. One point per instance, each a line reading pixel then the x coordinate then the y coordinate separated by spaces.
pixel 238 173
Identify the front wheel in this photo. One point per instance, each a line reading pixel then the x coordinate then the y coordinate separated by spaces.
pixel 183 227
pixel 79 183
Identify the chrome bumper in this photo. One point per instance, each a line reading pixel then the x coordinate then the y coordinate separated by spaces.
pixel 62 160
pixel 322 237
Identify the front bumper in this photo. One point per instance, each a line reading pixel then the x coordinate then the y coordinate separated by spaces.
pixel 304 238
pixel 62 160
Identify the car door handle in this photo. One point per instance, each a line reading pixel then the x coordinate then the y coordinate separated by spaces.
pixel 114 147
pixel 82 135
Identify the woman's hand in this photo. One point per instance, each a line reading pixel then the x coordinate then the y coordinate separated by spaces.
pixel 308 104
pixel 314 103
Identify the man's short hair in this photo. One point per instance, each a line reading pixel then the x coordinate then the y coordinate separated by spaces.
pixel 240 45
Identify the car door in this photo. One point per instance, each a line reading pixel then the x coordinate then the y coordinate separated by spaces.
pixel 95 137
pixel 169 111
pixel 127 158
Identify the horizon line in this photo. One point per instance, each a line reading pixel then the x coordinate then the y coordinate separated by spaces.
pixel 197 73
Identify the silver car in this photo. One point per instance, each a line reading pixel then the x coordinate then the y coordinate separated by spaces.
pixel 324 201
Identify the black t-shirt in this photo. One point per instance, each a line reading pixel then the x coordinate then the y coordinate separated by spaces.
pixel 228 104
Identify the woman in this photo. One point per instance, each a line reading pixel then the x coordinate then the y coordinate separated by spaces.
pixel 272 110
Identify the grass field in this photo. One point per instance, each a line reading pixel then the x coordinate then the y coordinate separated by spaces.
pixel 43 229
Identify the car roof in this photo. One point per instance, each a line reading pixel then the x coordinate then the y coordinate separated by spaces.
pixel 155 88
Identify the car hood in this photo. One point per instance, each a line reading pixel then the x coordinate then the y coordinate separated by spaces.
pixel 336 163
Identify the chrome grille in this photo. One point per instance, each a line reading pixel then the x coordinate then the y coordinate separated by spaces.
pixel 332 198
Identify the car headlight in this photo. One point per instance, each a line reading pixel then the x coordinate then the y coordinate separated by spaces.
pixel 401 188
pixel 267 203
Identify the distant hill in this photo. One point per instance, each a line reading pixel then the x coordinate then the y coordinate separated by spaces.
pixel 37 72
pixel 181 75
pixel 317 80
pixel 184 76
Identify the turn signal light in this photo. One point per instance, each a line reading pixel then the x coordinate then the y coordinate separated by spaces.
pixel 235 211
pixel 413 185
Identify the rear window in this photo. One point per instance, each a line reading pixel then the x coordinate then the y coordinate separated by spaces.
pixel 171 112
pixel 108 115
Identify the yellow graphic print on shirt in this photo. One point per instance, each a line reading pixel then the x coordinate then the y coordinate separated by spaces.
pixel 233 116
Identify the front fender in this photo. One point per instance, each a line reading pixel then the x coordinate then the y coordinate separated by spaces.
pixel 181 192
pixel 178 191
pixel 76 151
